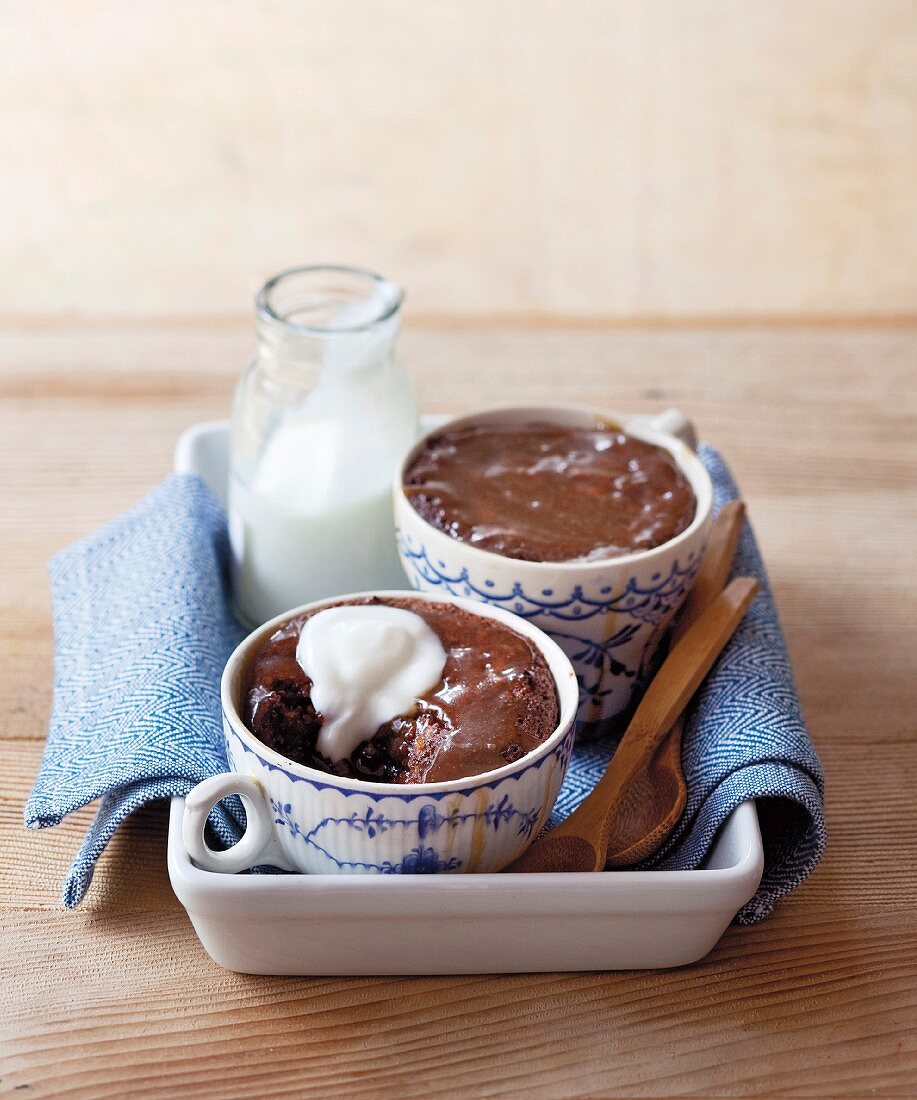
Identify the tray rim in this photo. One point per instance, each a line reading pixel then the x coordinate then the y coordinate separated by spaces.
pixel 705 890
pixel 710 889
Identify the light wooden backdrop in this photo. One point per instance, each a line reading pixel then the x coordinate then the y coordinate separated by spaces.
pixel 692 159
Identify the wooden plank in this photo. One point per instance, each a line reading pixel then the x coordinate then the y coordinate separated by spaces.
pixel 819 427
pixel 811 1007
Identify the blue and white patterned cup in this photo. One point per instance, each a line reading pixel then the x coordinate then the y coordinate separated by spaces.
pixel 301 819
pixel 607 616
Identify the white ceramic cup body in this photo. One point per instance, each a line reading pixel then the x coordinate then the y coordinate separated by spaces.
pixel 302 819
pixel 607 616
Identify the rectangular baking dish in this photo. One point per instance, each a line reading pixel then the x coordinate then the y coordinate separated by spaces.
pixel 455 924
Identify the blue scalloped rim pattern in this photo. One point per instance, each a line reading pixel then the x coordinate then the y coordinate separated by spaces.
pixel 600 672
pixel 646 604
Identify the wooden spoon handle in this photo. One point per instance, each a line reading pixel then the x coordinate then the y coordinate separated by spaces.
pixel 680 676
pixel 714 570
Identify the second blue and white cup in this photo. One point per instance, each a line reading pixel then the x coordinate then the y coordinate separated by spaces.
pixel 607 615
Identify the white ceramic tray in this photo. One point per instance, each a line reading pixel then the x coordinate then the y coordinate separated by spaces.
pixel 455 924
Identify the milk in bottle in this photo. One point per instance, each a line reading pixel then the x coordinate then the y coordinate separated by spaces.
pixel 320 420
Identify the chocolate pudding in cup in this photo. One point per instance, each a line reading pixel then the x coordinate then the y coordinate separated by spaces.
pixel 389 733
pixel 588 524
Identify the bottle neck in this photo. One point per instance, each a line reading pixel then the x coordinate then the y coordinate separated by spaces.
pixel 329 319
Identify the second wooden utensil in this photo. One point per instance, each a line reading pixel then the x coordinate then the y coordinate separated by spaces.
pixel 653 803
pixel 580 843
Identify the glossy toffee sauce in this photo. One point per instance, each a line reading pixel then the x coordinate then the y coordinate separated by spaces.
pixel 542 492
pixel 496 702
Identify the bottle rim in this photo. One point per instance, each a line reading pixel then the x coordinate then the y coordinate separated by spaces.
pixel 267 311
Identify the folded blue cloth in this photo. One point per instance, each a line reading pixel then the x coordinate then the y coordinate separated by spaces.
pixel 143 629
pixel 142 632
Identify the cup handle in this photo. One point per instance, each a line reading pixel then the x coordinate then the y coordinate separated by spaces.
pixel 674 422
pixel 258 843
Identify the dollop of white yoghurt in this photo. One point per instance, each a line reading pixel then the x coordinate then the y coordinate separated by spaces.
pixel 368 663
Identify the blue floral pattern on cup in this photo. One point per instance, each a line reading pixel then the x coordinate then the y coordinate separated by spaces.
pixel 422 828
pixel 420 860
pixel 609 632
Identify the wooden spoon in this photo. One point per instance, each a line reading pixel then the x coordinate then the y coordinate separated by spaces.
pixel 653 803
pixel 581 842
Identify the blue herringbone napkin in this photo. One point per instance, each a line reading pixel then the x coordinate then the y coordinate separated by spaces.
pixel 143 629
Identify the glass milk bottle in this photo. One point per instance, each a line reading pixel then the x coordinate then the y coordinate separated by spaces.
pixel 320 419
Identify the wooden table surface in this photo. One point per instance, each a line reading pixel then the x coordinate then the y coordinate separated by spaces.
pixel 819 425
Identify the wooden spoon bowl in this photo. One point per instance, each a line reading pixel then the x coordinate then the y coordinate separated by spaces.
pixel 649 810
pixel 652 805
